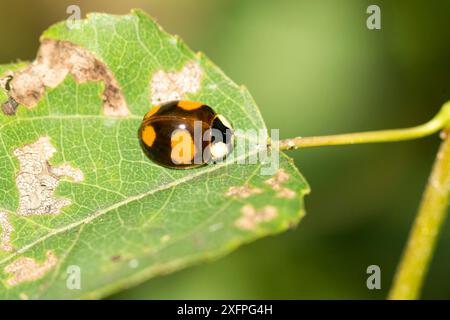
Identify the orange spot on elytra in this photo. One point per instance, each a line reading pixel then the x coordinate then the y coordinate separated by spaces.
pixel 148 135
pixel 189 105
pixel 152 112
pixel 183 148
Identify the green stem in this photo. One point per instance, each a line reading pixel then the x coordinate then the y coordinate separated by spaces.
pixel 439 122
pixel 432 212
pixel 424 234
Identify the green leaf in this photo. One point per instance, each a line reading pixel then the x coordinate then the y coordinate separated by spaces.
pixel 122 218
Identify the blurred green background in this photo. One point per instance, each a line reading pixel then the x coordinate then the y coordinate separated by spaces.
pixel 313 68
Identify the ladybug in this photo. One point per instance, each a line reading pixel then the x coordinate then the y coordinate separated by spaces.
pixel 185 134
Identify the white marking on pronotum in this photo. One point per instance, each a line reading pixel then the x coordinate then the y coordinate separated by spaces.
pixel 251 217
pixel 168 86
pixel 224 121
pixel 27 269
pixel 7 229
pixel 37 180
pixel 219 150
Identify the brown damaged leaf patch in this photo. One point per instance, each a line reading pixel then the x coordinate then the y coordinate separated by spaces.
pixel 54 61
pixel 276 183
pixel 244 191
pixel 251 217
pixel 6 230
pixel 37 179
pixel 27 269
pixel 169 86
pixel 10 107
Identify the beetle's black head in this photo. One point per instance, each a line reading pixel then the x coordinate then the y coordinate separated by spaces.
pixel 222 139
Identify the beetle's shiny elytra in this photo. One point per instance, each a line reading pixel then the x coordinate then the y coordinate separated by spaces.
pixel 185 134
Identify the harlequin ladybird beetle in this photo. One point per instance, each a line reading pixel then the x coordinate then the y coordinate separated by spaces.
pixel 185 134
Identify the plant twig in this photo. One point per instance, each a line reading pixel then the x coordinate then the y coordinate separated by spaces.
pixel 432 212
pixel 424 234
pixel 432 126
